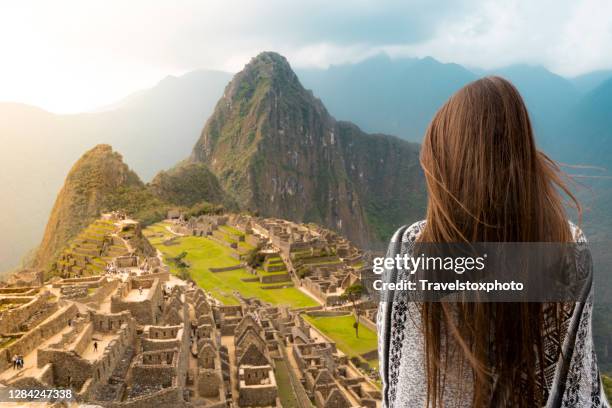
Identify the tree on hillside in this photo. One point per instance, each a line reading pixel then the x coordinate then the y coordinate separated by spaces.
pixel 255 258
pixel 182 266
pixel 353 293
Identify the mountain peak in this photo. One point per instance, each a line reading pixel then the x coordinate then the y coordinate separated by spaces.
pixel 101 148
pixel 266 86
pixel 269 63
pixel 268 70
pixel 274 147
pixel 99 173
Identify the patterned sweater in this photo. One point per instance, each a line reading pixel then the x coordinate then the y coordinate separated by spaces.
pixel 571 382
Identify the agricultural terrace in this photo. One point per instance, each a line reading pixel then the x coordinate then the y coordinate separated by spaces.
pixel 340 330
pixel 91 250
pixel 205 253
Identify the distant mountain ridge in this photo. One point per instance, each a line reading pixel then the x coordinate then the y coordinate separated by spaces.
pixel 383 95
pixel 156 128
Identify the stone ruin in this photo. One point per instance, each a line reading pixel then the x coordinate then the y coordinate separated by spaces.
pixel 135 337
pixel 141 297
pixel 26 278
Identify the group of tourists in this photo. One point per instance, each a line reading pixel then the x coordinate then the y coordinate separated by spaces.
pixel 17 362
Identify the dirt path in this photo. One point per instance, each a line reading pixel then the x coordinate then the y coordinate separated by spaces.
pixel 170 230
pixel 92 354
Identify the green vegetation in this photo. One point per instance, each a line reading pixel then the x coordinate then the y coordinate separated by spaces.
pixel 231 230
pixel 188 184
pixel 100 182
pixel 7 341
pixel 383 216
pixel 285 389
pixel 374 364
pixel 96 176
pixel 8 306
pixel 203 254
pixel 607 384
pixel 353 293
pixel 92 247
pixel 254 258
pixel 182 267
pixel 340 329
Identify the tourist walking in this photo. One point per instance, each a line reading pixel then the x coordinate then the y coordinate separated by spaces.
pixel 95 346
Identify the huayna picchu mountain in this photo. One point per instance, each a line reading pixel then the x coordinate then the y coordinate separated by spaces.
pixel 276 150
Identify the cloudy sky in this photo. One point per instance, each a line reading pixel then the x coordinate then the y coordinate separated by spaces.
pixel 71 56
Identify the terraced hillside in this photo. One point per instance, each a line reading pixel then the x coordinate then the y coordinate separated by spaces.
pixel 96 245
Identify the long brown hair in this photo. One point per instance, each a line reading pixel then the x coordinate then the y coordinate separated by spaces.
pixel 487 182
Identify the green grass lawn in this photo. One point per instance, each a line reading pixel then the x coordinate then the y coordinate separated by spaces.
pixel 285 390
pixel 231 230
pixel 340 329
pixel 159 228
pixel 204 253
pixel 373 363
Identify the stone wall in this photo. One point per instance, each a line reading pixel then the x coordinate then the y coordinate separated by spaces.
pixel 163 275
pixel 164 332
pixel 208 382
pixel 260 395
pixel 11 319
pixel 127 261
pixel 254 240
pixel 111 322
pixel 146 311
pixel 274 278
pixel 180 340
pixel 227 268
pixel 34 338
pixel 20 291
pixel 90 282
pixel 171 397
pixel 102 292
pixel 154 374
pixel 27 277
pixel 69 369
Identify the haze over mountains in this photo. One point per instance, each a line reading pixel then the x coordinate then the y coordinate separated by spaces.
pixel 156 128
pixel 271 147
pixel 152 129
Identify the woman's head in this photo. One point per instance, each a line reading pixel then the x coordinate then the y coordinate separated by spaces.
pixel 486 180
